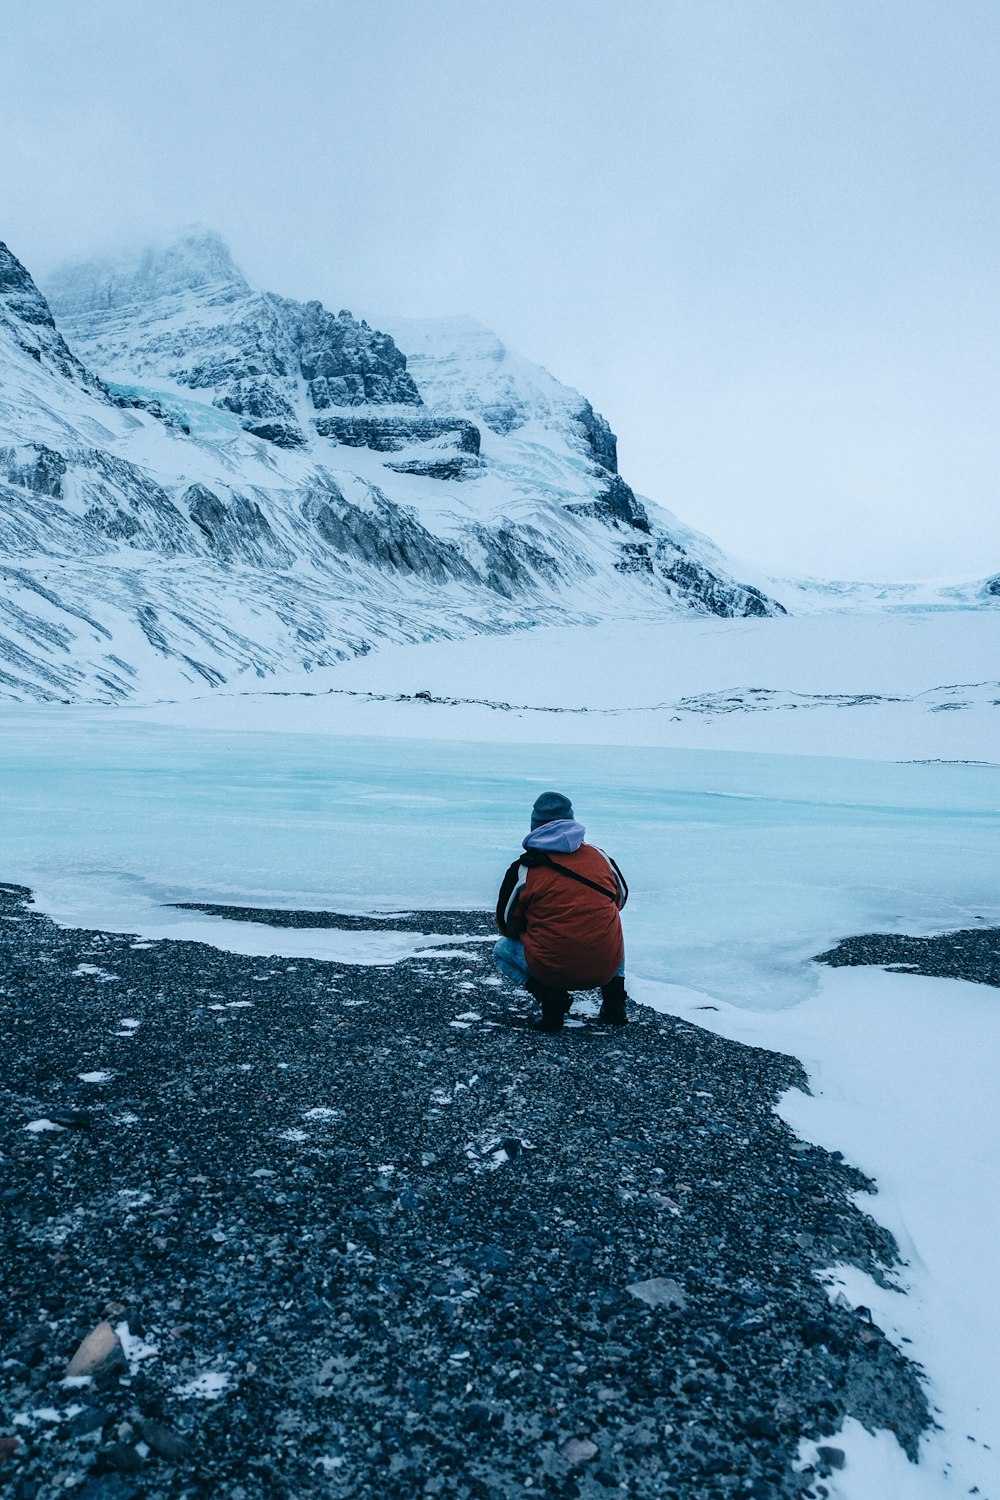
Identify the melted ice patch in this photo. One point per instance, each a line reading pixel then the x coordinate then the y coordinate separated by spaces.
pixel 113 903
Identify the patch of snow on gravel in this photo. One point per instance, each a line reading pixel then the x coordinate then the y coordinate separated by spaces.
pixel 207 1387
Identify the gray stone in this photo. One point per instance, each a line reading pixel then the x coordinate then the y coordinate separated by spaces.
pixel 830 1458
pixel 165 1441
pixel 578 1451
pixel 659 1291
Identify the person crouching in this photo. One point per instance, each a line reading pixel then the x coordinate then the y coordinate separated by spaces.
pixel 558 911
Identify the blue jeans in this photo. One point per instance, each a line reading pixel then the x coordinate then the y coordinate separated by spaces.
pixel 508 955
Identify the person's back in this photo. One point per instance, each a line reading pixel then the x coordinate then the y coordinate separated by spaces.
pixel 558 911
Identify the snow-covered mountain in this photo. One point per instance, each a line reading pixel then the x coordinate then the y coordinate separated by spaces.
pixel 204 483
pixel 201 482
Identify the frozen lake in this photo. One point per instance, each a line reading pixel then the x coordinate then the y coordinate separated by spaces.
pixel 742 866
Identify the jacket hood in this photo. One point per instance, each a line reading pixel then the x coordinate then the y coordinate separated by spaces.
pixel 560 836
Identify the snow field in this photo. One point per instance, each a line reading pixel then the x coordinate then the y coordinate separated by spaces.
pixel 879 685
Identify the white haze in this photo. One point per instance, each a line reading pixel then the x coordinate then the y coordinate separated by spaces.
pixel 760 237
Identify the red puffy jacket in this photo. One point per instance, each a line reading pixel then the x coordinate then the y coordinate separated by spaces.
pixel 563 905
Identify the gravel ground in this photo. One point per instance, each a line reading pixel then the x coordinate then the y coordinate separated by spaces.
pixel 447 922
pixel 973 953
pixel 364 1233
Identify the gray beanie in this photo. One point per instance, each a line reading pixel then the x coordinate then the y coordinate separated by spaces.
pixel 550 806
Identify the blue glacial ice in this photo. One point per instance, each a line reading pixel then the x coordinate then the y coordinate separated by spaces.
pixel 742 866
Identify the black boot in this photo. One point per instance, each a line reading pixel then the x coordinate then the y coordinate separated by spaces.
pixel 613 999
pixel 554 1003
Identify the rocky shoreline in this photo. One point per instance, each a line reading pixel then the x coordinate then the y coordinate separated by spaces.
pixel 972 953
pixel 362 1232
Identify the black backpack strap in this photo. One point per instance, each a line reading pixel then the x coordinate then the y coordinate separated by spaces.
pixel 552 864
pixel 619 877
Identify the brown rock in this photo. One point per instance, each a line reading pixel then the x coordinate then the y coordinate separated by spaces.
pixel 95 1351
pixel 8 1447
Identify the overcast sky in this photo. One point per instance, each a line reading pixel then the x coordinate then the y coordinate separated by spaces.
pixel 760 235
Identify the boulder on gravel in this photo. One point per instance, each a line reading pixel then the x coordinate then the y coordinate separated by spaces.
pixel 100 1346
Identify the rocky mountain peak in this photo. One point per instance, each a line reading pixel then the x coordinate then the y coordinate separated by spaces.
pixel 461 366
pixel 27 320
pixel 344 362
pixel 184 318
pixel 198 261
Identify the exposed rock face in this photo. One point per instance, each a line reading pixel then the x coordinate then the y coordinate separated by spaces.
pixel 125 504
pixel 281 434
pixel 385 535
pixel 600 439
pixel 390 434
pixel 460 366
pixel 512 562
pixel 345 363
pixel 693 583
pixel 461 466
pixel 34 467
pixel 236 531
pixel 616 505
pixel 28 323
